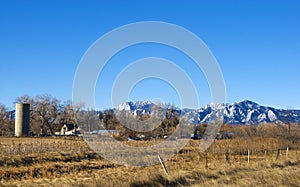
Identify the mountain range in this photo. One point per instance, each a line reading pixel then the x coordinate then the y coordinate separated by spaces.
pixel 243 113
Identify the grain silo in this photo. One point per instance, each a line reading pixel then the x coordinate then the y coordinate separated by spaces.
pixel 22 119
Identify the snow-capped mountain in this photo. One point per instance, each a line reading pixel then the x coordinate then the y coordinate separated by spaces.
pixel 244 112
pixel 137 107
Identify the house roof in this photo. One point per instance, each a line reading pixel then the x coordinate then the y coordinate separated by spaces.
pixel 105 131
pixel 70 126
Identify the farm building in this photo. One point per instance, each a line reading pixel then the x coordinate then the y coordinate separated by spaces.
pixel 110 133
pixel 69 129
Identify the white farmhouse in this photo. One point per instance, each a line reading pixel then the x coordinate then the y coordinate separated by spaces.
pixel 69 129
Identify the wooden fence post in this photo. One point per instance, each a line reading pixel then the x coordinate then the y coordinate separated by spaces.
pixel 206 160
pixel 278 152
pixel 265 156
pixel 227 155
pixel 163 164
pixel 248 156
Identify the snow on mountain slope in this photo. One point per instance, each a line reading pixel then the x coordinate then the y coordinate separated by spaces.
pixel 137 107
pixel 244 112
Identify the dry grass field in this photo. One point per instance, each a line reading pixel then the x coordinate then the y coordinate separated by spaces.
pixel 70 162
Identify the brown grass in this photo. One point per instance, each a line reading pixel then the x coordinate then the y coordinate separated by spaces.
pixel 69 162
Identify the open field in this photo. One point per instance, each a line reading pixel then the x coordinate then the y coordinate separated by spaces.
pixel 70 162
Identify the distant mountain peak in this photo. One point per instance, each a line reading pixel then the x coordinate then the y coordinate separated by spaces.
pixel 243 112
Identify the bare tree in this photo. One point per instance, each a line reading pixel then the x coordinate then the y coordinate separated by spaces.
pixel 170 121
pixel 25 99
pixel 71 112
pixel 3 119
pixel 88 120
pixel 44 111
pixel 47 109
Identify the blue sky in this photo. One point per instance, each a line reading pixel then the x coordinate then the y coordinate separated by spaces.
pixel 256 44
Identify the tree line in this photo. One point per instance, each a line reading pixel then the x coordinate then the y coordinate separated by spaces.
pixel 48 114
pixel 141 126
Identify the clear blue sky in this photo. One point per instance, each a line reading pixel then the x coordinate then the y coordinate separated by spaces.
pixel 256 43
